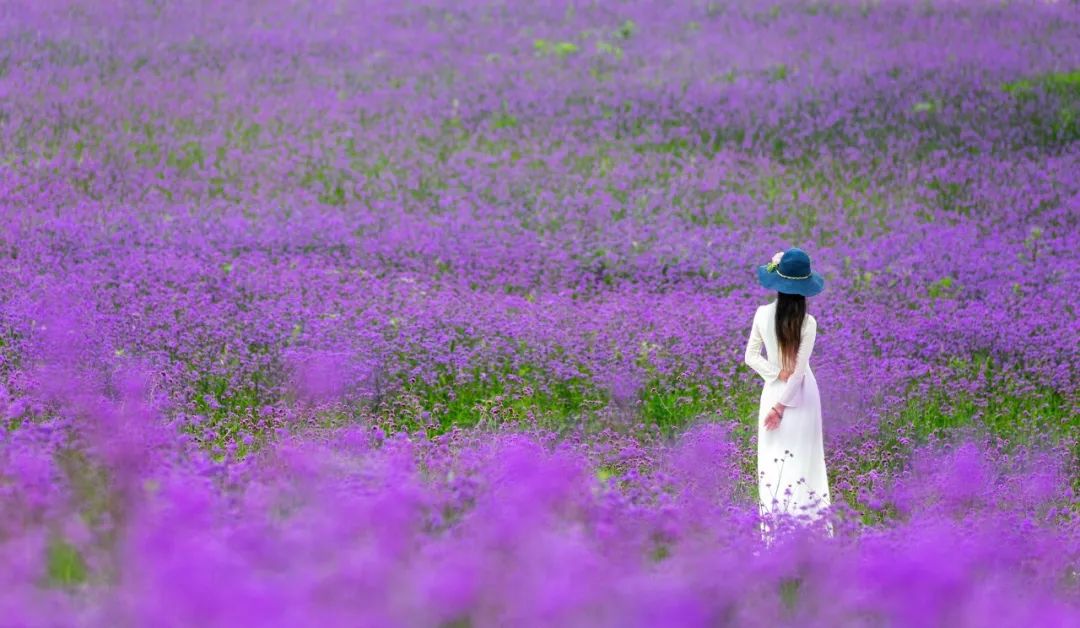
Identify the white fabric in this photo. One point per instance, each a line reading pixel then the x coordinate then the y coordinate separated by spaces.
pixel 792 456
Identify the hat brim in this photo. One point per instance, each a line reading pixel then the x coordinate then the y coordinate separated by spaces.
pixel 808 287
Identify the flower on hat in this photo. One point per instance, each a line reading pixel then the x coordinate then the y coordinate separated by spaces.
pixel 771 266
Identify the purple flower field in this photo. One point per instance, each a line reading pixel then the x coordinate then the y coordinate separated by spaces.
pixel 331 313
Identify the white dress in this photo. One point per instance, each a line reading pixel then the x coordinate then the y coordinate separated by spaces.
pixel 791 458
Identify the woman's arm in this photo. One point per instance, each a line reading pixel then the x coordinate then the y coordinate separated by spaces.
pixel 789 396
pixel 753 357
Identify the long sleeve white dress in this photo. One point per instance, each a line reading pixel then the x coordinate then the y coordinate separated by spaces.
pixel 791 458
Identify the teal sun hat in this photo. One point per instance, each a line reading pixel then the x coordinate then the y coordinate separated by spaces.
pixel 789 272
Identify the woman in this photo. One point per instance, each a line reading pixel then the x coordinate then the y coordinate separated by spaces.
pixel 791 454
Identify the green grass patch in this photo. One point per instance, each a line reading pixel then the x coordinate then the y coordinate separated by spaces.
pixel 998 406
pixel 228 409
pixel 1060 123
pixel 91 490
pixel 65 566
pixel 1065 83
pixel 489 396
pixel 789 591
pixel 546 47
pixel 672 405
pixel 1001 406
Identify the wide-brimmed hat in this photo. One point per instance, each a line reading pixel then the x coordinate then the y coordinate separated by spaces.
pixel 789 272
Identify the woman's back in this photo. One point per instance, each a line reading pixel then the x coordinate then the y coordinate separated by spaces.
pixel 765 319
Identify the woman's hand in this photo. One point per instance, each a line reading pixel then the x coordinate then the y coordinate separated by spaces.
pixel 772 419
pixel 784 374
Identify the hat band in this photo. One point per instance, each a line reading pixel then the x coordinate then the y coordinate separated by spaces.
pixel 787 277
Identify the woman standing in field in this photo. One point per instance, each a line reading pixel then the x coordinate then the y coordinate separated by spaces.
pixel 791 453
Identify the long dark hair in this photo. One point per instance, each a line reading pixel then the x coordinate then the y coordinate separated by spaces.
pixel 790 311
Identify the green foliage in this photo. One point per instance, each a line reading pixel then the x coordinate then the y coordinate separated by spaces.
pixel 944 287
pixel 1031 242
pixel 1061 122
pixel 610 49
pixel 89 482
pixel 779 72
pixel 504 121
pixel 926 106
pixel 789 591
pixel 229 409
pixel 561 49
pixel 996 405
pixel 1062 83
pixel 626 30
pixel 671 404
pixel 951 196
pixel 187 157
pixel 495 395
pixel 65 566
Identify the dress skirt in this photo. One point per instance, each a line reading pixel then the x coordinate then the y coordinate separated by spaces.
pixel 791 458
